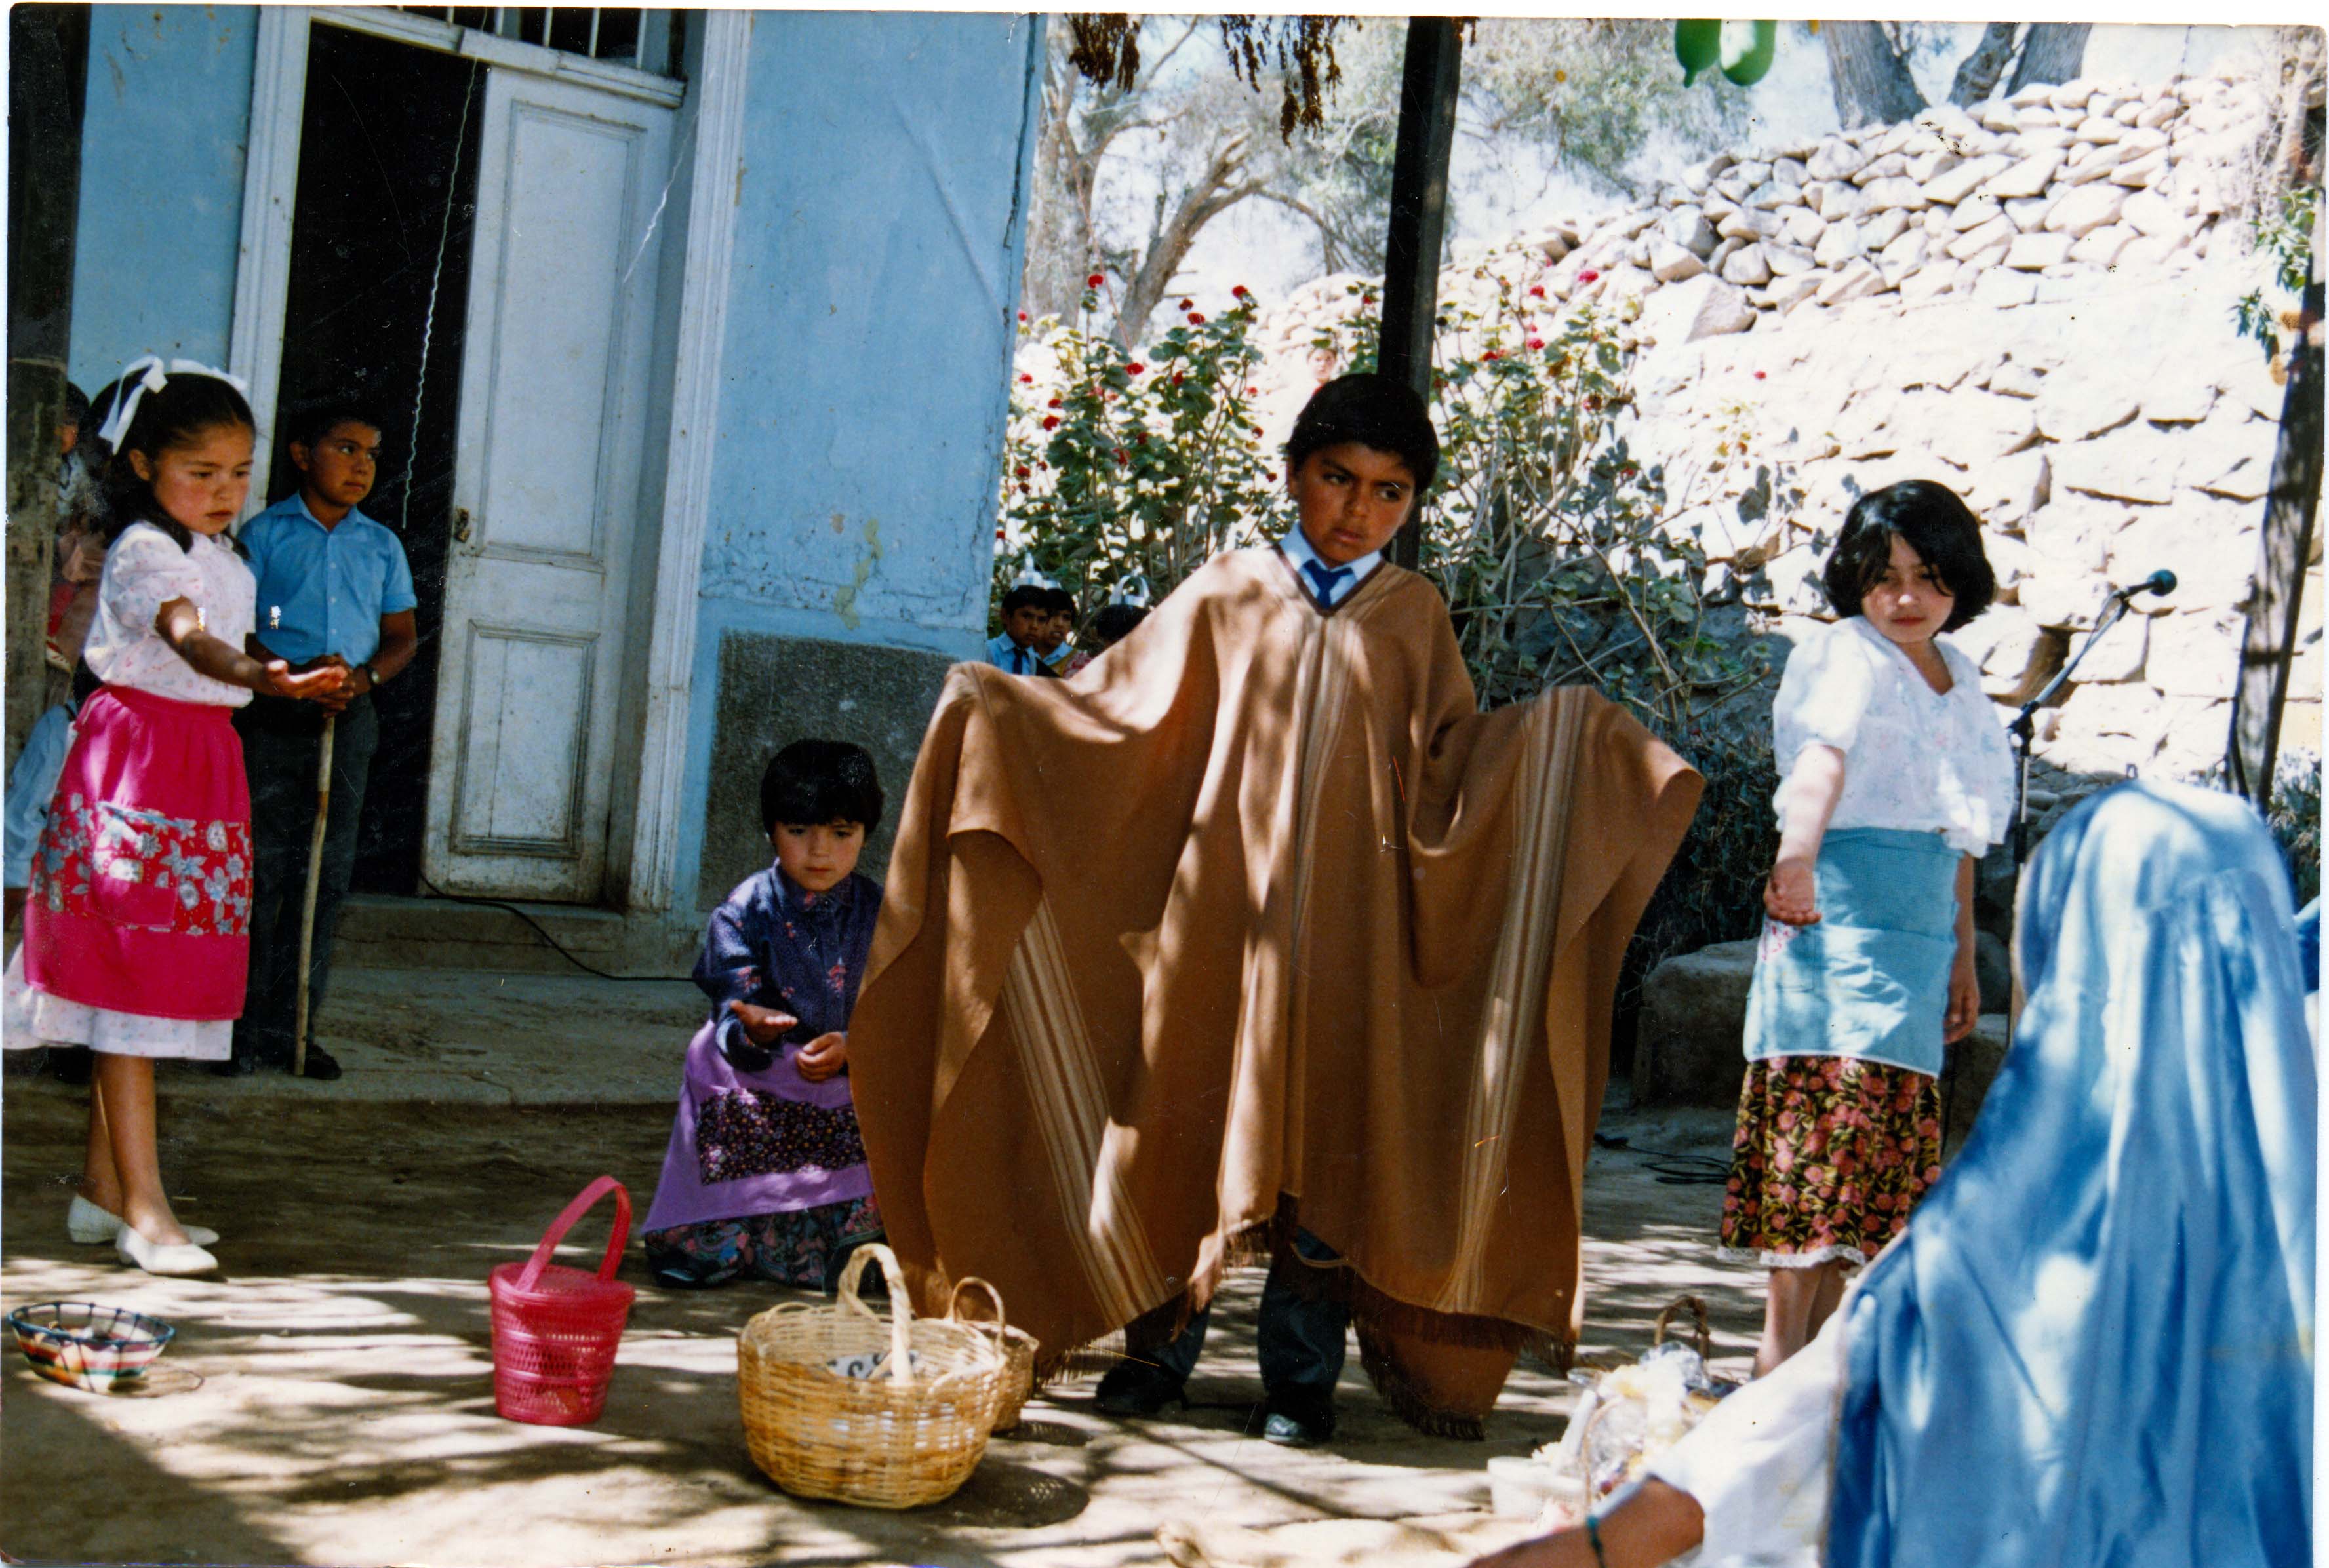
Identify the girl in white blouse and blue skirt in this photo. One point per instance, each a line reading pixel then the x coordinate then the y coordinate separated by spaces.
pixel 1896 779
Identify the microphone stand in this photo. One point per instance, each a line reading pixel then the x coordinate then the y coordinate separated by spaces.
pixel 2024 728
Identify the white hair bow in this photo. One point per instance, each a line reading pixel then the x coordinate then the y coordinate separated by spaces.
pixel 145 374
pixel 1029 577
pixel 1132 590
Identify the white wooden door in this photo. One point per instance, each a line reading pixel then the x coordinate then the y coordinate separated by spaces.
pixel 546 491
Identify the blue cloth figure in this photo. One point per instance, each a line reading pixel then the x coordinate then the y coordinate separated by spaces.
pixel 2092 1348
pixel 31 785
pixel 775 946
pixel 2308 944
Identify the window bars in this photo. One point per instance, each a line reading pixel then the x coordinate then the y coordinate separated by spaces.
pixel 622 35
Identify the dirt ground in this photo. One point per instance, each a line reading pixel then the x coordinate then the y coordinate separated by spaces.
pixel 328 1399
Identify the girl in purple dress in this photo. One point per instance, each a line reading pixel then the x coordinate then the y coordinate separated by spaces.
pixel 766 1175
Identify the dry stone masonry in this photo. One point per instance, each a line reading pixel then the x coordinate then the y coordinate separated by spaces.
pixel 2029 301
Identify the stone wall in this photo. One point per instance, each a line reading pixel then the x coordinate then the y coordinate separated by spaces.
pixel 2031 302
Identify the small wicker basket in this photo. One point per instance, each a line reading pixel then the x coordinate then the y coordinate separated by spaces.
pixel 1017 1346
pixel 907 1435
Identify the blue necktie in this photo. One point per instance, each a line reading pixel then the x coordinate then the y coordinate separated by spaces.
pixel 1018 661
pixel 1325 578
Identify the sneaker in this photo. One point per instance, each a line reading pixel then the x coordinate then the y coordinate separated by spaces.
pixel 1298 1417
pixel 322 1065
pixel 1137 1388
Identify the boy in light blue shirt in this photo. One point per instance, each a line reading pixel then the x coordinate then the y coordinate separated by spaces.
pixel 333 588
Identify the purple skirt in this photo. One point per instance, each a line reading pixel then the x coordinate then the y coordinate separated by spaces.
pixel 755 1143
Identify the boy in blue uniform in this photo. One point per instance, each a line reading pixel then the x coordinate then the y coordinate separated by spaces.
pixel 1026 615
pixel 334 587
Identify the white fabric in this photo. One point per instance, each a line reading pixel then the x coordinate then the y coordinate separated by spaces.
pixel 144 375
pixel 1913 758
pixel 1296 546
pixel 1759 1465
pixel 145 570
pixel 31 1016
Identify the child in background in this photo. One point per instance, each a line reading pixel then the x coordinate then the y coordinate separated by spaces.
pixel 1114 622
pixel 1897 780
pixel 765 1175
pixel 333 588
pixel 1059 653
pixel 1026 619
pixel 136 931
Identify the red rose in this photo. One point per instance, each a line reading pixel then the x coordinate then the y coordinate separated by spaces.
pixel 1536 342
pixel 1022 315
pixel 1587 276
pixel 1135 367
pixel 1053 404
pixel 1196 318
pixel 1122 456
pixel 1188 305
pixel 1095 280
pixel 1178 378
pixel 1022 470
pixel 1537 292
pixel 1026 381
pixel 1491 354
pixel 1051 421
pixel 1366 299
pixel 1758 375
pixel 1253 391
pixel 1271 477
pixel 1239 292
pixel 1141 439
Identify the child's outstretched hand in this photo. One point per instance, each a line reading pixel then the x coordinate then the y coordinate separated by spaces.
pixel 822 1056
pixel 318 684
pixel 763 1026
pixel 1791 893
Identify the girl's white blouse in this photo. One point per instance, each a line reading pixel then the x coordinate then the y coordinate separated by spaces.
pixel 145 569
pixel 1913 758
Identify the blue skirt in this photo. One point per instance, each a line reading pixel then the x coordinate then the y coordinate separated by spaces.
pixel 1871 980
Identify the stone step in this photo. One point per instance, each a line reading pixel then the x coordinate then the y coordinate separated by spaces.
pixel 378 930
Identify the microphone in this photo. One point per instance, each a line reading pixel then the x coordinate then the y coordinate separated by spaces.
pixel 2160 582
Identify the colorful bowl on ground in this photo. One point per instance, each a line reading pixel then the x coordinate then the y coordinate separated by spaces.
pixel 88 1345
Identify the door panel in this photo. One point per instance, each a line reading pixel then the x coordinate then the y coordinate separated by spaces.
pixel 547 488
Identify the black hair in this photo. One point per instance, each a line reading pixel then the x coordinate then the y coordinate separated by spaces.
pixel 1059 601
pixel 821 781
pixel 1024 597
pixel 1114 622
pixel 76 409
pixel 1373 410
pixel 1935 523
pixel 312 422
pixel 186 407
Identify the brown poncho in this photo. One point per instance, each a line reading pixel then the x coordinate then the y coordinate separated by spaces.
pixel 1255 921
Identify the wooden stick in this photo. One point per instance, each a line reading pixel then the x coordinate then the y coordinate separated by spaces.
pixel 307 902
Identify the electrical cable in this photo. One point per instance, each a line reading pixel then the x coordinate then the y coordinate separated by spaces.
pixel 551 941
pixel 1672 1168
pixel 429 321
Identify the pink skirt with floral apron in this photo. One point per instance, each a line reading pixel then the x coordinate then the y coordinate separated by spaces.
pixel 140 891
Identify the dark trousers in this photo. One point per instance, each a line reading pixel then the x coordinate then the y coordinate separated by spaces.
pixel 1299 1340
pixel 281 742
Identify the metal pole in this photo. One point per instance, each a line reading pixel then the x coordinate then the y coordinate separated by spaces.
pixel 307 899
pixel 2284 550
pixel 1418 220
pixel 48 54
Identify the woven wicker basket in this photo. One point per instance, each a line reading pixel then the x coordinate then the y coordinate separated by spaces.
pixel 908 1435
pixel 1017 1346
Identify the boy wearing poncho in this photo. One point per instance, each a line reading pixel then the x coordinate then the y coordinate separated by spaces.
pixel 1259 934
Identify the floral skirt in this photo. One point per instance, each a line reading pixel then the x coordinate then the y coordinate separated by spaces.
pixel 798 1247
pixel 1830 1156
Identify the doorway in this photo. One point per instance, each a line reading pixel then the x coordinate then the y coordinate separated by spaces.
pixel 376 311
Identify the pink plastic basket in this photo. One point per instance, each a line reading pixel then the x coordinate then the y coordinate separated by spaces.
pixel 555 1328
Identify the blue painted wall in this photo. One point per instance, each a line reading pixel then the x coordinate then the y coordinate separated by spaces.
pixel 880 226
pixel 161 184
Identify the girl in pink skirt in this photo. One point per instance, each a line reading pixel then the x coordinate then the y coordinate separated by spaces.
pixel 136 929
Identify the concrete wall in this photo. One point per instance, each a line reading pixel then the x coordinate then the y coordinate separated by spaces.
pixel 880 223
pixel 161 184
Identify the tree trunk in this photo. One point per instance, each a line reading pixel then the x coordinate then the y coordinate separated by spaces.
pixel 1871 80
pixel 2053 52
pixel 1977 75
pixel 1216 191
pixel 47 62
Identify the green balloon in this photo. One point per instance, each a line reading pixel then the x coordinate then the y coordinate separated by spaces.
pixel 1699 46
pixel 1749 67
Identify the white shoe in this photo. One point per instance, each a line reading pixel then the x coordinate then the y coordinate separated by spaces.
pixel 159 1257
pixel 92 1227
